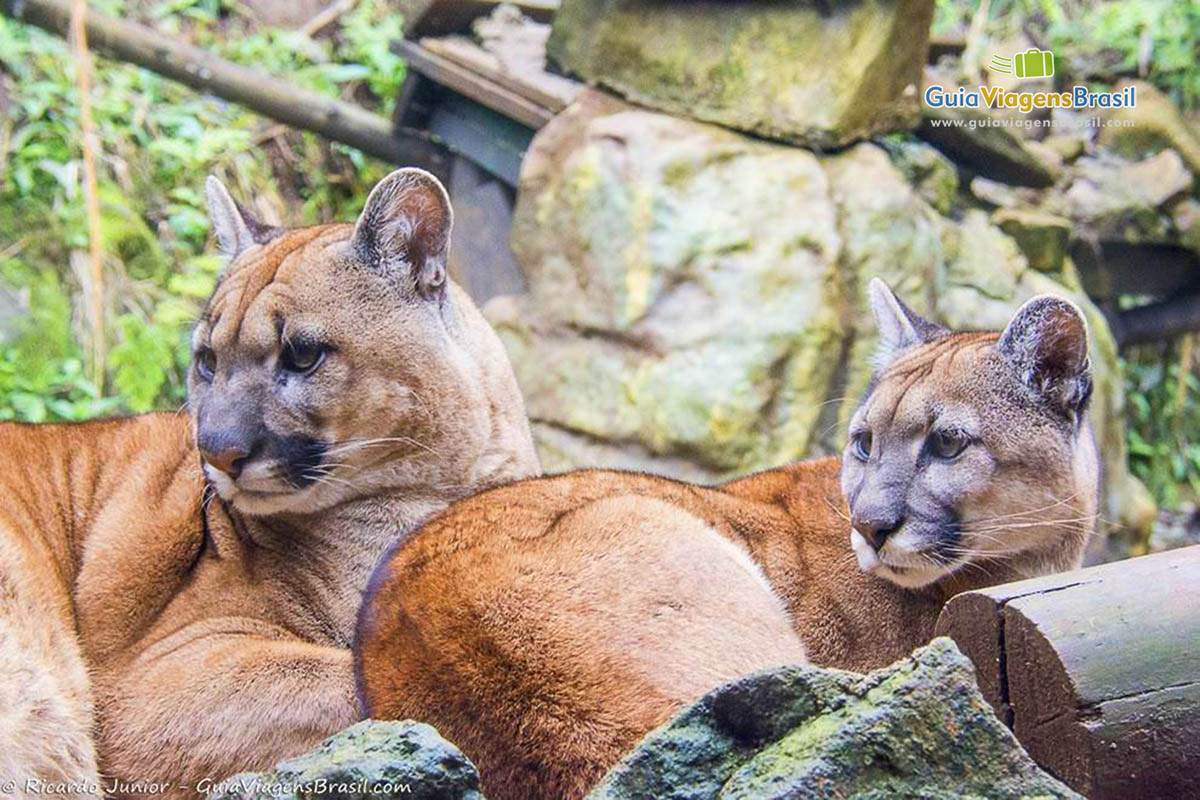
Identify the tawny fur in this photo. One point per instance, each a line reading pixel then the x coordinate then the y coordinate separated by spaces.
pixel 151 630
pixel 546 626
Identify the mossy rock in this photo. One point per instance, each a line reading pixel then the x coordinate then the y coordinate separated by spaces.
pixel 823 75
pixel 1042 237
pixel 917 729
pixel 1125 201
pixel 934 176
pixel 1152 125
pixel 368 760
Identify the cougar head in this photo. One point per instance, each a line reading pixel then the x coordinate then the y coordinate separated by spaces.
pixel 337 362
pixel 972 451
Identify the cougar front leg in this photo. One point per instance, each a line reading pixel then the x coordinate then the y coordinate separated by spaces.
pixel 217 698
pixel 46 721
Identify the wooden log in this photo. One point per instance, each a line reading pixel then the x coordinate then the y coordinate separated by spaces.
pixel 269 96
pixel 1157 322
pixel 1097 671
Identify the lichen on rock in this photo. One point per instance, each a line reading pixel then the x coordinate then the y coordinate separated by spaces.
pixel 917 729
pixel 368 760
pixel 791 71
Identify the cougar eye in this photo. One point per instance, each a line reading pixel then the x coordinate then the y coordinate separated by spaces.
pixel 947 444
pixel 206 364
pixel 860 445
pixel 301 356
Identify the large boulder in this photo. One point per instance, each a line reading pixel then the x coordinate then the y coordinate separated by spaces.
pixel 370 760
pixel 820 74
pixel 1120 200
pixel 697 297
pixel 1152 125
pixel 646 239
pixel 917 729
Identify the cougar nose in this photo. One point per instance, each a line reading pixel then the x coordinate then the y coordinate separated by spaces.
pixel 876 528
pixel 229 459
pixel 225 448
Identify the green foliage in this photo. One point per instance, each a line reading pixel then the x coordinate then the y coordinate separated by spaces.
pixel 1163 426
pixel 368 41
pixel 41 374
pixel 158 142
pixel 1103 39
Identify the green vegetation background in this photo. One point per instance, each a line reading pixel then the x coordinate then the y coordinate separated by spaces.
pixel 160 139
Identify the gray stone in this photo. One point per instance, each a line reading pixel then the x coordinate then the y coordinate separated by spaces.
pixel 992 150
pixel 368 760
pixel 934 176
pixel 1049 156
pixel 645 240
pixel 789 71
pixel 1176 528
pixel 917 729
pixel 1042 237
pixel 1068 146
pixel 1156 125
pixel 1002 195
pixel 1186 216
pixel 1119 200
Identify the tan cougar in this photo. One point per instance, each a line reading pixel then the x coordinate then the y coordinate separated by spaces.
pixel 186 588
pixel 546 626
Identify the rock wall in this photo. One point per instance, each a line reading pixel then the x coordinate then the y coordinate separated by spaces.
pixel 697 297
pixel 820 74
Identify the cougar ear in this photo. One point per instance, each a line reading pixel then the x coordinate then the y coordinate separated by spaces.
pixel 1047 345
pixel 405 230
pixel 235 227
pixel 899 326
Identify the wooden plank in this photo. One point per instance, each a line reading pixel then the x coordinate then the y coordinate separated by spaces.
pixel 481 260
pixel 1099 670
pixel 974 620
pixel 551 92
pixel 1164 721
pixel 490 139
pixel 469 84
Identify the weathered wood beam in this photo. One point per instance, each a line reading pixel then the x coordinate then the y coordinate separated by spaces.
pixel 551 92
pixel 264 94
pixel 1157 322
pixel 1097 671
pixel 469 83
